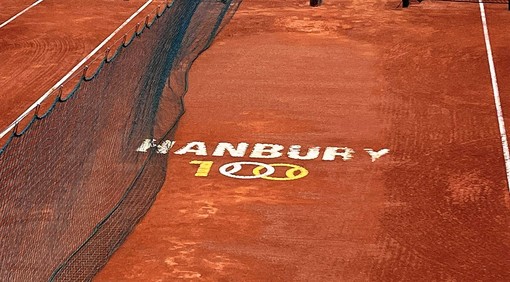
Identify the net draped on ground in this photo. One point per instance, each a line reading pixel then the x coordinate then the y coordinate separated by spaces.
pixel 72 185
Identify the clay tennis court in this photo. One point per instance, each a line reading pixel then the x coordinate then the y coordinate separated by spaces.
pixel 409 182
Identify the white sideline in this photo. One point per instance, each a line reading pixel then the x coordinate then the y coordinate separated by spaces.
pixel 20 13
pixel 79 65
pixel 497 101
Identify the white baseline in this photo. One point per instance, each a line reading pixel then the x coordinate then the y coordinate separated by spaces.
pixel 20 13
pixel 79 65
pixel 495 89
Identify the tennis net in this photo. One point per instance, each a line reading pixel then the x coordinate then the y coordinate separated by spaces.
pixel 72 184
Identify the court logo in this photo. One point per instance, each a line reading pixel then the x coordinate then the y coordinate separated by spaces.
pixel 257 170
pixel 249 170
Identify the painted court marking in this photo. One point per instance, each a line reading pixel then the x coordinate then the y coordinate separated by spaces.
pixel 78 66
pixel 20 13
pixel 495 89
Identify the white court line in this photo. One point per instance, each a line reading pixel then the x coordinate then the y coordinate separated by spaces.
pixel 497 101
pixel 79 65
pixel 20 13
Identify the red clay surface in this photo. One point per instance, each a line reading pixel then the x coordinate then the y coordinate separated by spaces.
pixel 360 74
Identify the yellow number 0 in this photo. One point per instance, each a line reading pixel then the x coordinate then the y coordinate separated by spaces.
pixel 290 173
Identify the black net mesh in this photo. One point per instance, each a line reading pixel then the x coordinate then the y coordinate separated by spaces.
pixel 72 184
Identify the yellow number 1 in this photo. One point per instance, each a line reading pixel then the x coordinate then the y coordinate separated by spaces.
pixel 203 168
